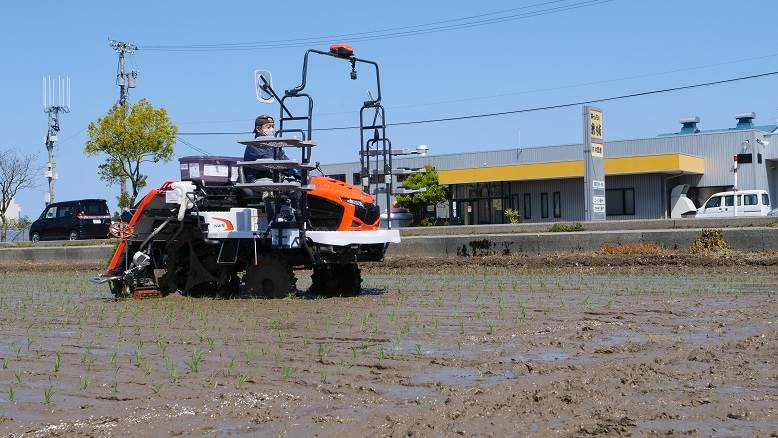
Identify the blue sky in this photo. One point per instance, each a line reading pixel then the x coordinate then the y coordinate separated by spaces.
pixel 530 62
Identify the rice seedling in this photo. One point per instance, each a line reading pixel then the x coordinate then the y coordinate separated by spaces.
pixel 248 354
pixel 286 373
pixel 195 360
pixel 419 351
pixel 48 393
pixel 173 375
pixel 323 377
pixel 230 368
pixel 57 361
pixel 18 375
pixel 5 363
pixel 137 358
pixel 242 378
pixel 83 384
pixel 11 394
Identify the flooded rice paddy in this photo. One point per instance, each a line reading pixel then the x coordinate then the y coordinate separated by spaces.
pixel 500 352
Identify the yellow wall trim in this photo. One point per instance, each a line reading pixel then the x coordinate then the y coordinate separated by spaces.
pixel 662 163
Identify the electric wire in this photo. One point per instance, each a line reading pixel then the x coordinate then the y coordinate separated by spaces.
pixel 534 109
pixel 379 35
pixel 346 35
pixel 186 143
pixel 521 92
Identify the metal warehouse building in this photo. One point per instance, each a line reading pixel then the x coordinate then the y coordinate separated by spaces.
pixel 546 183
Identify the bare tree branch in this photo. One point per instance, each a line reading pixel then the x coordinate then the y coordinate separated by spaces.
pixel 17 172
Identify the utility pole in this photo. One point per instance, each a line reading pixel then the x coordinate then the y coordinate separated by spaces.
pixel 125 80
pixel 56 100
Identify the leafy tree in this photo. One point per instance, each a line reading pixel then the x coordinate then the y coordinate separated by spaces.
pixel 17 172
pixel 417 202
pixel 129 136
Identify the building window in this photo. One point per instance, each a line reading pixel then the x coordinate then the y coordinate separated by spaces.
pixel 544 205
pixel 759 158
pixel 339 177
pixel 745 158
pixel 557 204
pixel 620 202
pixel 356 178
pixel 527 206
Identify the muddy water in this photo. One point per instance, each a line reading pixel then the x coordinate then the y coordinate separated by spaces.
pixel 500 352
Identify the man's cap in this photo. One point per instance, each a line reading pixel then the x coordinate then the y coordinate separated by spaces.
pixel 263 119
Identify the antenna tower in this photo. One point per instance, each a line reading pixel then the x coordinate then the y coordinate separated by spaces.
pixel 56 100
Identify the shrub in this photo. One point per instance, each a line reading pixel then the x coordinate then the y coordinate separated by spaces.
pixel 565 228
pixel 423 222
pixel 708 242
pixel 512 215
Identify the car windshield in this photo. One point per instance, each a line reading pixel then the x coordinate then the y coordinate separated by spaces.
pixel 713 202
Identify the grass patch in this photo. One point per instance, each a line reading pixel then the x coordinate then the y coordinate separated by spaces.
pixel 710 241
pixel 643 248
pixel 565 227
pixel 773 224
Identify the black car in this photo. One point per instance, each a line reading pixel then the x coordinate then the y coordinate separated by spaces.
pixel 72 220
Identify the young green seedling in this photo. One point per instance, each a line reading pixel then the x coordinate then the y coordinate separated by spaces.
pixel 48 393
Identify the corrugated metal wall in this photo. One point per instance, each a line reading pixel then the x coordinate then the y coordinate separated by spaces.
pixel 717 148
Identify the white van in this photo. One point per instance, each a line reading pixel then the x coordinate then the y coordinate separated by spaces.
pixel 749 203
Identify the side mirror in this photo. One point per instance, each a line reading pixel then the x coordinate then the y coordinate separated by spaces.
pixel 263 84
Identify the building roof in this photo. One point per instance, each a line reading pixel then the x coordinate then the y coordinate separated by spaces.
pixel 763 128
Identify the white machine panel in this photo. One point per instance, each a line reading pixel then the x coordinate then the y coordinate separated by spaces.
pixel 236 223
pixel 344 238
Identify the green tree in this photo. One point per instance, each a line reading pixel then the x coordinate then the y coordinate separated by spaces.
pixel 417 202
pixel 129 136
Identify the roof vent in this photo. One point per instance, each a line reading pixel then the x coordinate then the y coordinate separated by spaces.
pixel 690 125
pixel 745 120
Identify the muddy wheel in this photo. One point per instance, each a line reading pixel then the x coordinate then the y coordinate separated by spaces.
pixel 270 277
pixel 229 285
pixel 119 289
pixel 336 280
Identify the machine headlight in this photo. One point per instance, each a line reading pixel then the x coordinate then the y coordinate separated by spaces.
pixel 354 202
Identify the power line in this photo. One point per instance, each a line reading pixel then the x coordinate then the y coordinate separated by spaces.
pixel 382 34
pixel 535 109
pixel 186 143
pixel 346 35
pixel 520 92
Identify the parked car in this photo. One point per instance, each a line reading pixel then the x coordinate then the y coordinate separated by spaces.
pixel 749 203
pixel 72 220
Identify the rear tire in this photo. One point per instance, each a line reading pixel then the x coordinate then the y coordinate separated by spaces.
pixel 73 235
pixel 119 289
pixel 36 237
pixel 336 280
pixel 270 277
